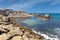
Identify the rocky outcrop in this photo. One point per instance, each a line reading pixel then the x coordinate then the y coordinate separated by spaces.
pixel 10 32
pixel 7 12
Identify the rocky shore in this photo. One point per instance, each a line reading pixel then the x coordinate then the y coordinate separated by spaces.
pixel 22 14
pixel 9 32
pixel 14 31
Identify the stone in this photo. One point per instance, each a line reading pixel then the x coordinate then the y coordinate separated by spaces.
pixel 3 37
pixel 25 37
pixel 29 35
pixel 8 27
pixel 2 29
pixel 37 36
pixel 32 39
pixel 17 38
pixel 15 31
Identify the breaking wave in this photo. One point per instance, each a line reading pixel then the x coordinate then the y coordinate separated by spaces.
pixel 47 37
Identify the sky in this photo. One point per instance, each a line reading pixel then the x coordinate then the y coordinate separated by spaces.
pixel 32 6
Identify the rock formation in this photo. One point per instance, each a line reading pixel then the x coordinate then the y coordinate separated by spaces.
pixel 14 31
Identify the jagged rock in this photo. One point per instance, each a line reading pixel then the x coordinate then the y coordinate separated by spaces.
pixel 5 28
pixel 29 35
pixel 8 27
pixel 25 37
pixel 17 38
pixel 3 37
pixel 37 36
pixel 2 29
pixel 34 39
pixel 18 32
pixel 15 31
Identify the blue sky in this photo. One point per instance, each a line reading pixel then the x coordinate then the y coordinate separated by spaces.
pixel 32 6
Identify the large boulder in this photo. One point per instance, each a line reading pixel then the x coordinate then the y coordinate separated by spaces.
pixel 25 37
pixel 17 38
pixel 15 31
pixel 3 37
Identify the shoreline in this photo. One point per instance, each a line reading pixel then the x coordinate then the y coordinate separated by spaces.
pixel 15 31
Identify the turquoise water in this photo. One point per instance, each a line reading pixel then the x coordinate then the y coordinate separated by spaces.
pixel 46 26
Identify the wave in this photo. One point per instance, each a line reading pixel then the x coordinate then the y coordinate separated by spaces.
pixel 47 37
pixel 45 26
pixel 57 30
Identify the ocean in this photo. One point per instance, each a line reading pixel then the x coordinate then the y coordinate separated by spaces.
pixel 48 27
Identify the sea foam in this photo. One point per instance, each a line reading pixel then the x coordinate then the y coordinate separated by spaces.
pixel 46 37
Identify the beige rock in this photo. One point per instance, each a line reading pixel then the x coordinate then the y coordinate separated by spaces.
pixel 3 37
pixel 17 38
pixel 26 33
pixel 25 37
pixel 2 29
pixel 1 26
pixel 29 35
pixel 15 31
pixel 37 36
pixel 33 39
pixel 9 27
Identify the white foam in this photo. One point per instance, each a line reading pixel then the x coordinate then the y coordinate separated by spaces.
pixel 46 37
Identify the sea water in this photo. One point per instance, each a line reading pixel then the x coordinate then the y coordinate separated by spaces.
pixel 47 28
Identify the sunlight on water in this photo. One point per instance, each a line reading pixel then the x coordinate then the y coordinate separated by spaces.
pixel 30 22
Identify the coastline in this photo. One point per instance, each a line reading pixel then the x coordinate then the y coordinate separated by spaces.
pixel 24 16
pixel 15 31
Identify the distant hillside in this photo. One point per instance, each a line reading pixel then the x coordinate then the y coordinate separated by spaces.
pixel 8 11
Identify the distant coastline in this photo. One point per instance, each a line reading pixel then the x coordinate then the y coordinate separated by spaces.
pixel 23 14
